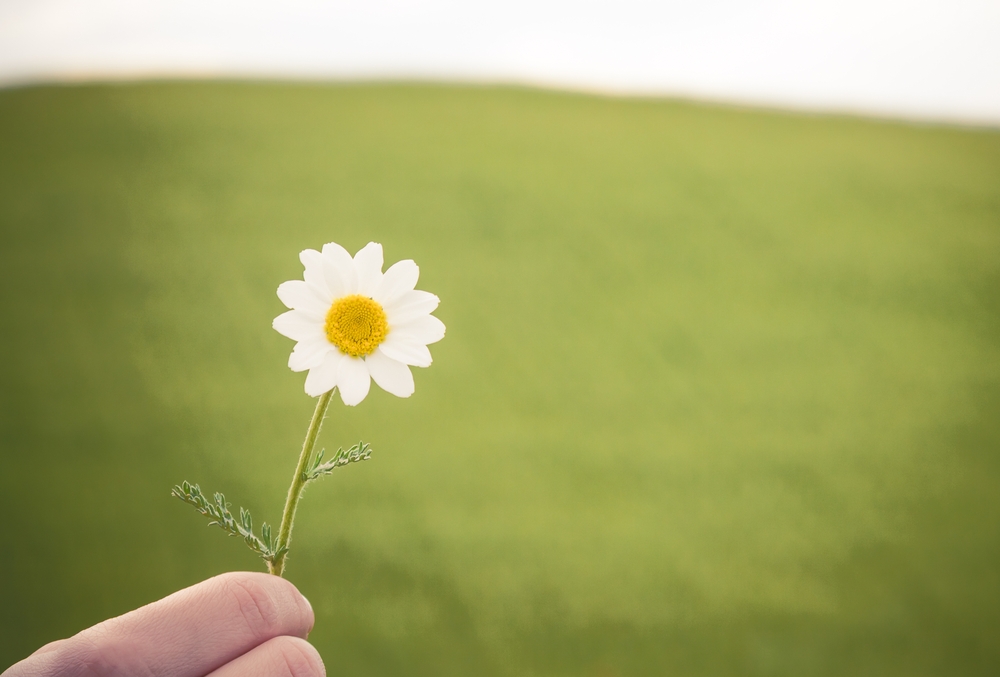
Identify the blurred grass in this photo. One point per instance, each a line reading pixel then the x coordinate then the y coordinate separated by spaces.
pixel 720 393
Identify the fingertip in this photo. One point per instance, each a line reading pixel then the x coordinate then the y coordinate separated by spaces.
pixel 303 658
pixel 304 611
pixel 285 656
pixel 273 602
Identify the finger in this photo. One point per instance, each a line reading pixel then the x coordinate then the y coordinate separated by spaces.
pixel 188 634
pixel 279 657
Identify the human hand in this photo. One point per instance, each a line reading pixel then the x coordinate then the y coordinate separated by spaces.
pixel 234 625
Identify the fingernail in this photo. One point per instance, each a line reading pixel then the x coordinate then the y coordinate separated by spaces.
pixel 309 604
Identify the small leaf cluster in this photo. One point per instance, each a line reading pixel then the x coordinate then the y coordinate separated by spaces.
pixel 264 545
pixel 218 511
pixel 361 451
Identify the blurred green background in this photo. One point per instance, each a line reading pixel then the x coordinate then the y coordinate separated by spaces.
pixel 720 393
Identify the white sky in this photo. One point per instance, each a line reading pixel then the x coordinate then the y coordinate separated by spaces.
pixel 935 59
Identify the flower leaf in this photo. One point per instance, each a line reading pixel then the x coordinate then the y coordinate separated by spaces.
pixel 218 511
pixel 361 451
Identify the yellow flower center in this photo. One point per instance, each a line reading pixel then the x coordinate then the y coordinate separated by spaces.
pixel 356 324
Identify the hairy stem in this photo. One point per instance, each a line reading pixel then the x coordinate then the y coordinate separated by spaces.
pixel 298 483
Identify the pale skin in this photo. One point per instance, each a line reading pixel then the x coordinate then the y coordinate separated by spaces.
pixel 234 625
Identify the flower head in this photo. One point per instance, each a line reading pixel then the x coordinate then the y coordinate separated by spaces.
pixel 354 323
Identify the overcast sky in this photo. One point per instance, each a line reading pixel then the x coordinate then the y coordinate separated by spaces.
pixel 936 59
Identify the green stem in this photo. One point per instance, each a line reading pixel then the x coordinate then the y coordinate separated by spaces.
pixel 298 483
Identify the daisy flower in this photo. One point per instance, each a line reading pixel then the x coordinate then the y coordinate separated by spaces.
pixel 354 323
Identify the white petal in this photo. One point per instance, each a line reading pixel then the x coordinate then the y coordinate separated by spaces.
pixel 323 378
pixel 335 252
pixel 406 349
pixel 353 380
pixel 399 279
pixel 313 262
pixel 368 262
pixel 309 354
pixel 391 376
pixel 426 329
pixel 297 326
pixel 410 306
pixel 341 274
pixel 302 296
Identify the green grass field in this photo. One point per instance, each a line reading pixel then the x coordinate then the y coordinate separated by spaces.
pixel 720 393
